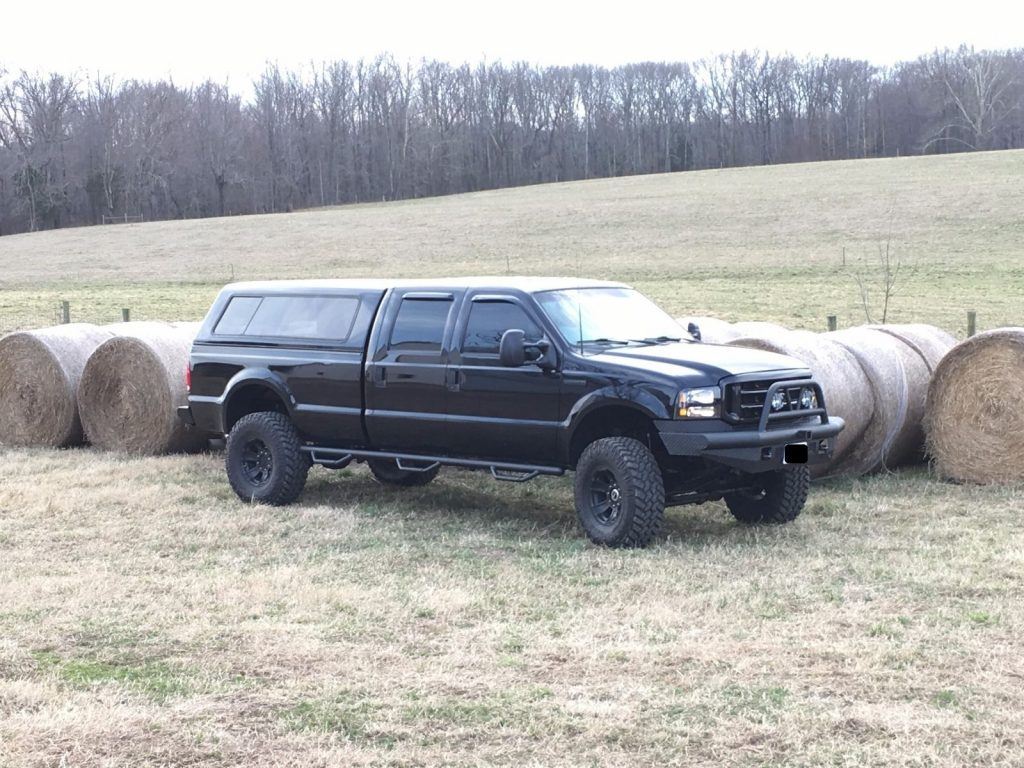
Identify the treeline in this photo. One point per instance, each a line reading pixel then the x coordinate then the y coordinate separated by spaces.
pixel 75 152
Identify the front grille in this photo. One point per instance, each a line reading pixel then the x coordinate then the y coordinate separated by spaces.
pixel 744 402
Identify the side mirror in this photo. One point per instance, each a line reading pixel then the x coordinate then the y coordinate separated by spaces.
pixel 512 349
pixel 694 330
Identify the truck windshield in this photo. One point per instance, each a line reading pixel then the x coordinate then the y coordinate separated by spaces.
pixel 609 316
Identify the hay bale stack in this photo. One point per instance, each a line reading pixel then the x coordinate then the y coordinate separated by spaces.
pixel 931 343
pixel 923 348
pixel 712 330
pixel 131 387
pixel 843 381
pixel 881 357
pixel 39 375
pixel 760 330
pixel 975 409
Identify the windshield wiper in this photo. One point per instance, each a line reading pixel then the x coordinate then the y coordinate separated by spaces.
pixel 623 342
pixel 657 339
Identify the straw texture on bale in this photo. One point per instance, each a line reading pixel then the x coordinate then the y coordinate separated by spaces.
pixel 843 381
pixel 881 358
pixel 131 387
pixel 760 330
pixel 975 410
pixel 712 330
pixel 931 343
pixel 39 375
pixel 923 348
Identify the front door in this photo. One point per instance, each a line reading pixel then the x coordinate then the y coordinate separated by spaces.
pixel 406 390
pixel 496 412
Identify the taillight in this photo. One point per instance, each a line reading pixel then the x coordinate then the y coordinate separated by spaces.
pixel 188 377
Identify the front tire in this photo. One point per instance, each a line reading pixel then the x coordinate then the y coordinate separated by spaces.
pixel 387 472
pixel 264 460
pixel 620 493
pixel 780 498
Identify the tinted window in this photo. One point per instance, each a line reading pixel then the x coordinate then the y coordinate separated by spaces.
pixel 420 324
pixel 237 315
pixel 325 318
pixel 488 320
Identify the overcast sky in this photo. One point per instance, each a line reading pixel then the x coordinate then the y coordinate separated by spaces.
pixel 227 40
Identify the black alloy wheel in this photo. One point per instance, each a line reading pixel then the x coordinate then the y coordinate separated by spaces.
pixel 620 493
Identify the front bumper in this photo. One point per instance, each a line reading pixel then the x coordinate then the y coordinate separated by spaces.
pixel 749 450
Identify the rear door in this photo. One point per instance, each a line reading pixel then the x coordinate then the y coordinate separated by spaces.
pixel 406 394
pixel 496 412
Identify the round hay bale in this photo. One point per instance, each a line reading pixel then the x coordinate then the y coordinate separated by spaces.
pixel 928 341
pixel 924 346
pixel 759 330
pixel 881 358
pixel 131 387
pixel 712 330
pixel 975 409
pixel 39 375
pixel 845 385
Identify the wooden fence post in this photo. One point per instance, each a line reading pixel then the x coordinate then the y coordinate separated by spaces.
pixel 65 312
pixel 972 323
pixel 126 314
pixel 833 322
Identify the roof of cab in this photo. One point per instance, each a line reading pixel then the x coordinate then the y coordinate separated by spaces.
pixel 527 284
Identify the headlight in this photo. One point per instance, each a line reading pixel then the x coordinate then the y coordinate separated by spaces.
pixel 699 403
pixel 779 400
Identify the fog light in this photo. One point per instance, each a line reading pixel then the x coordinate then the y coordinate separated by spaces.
pixel 808 398
pixel 778 401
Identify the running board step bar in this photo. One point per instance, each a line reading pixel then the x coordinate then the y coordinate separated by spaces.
pixel 336 458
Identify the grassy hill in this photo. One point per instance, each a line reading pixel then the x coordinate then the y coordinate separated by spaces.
pixel 764 243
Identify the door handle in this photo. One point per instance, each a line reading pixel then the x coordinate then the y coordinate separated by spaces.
pixel 453 379
pixel 379 375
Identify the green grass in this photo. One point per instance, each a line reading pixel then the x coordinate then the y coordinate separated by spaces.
pixel 156 680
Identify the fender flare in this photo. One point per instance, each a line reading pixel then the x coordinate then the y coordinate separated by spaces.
pixel 257 377
pixel 638 399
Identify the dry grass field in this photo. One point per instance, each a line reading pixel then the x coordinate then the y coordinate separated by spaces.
pixel 763 243
pixel 147 617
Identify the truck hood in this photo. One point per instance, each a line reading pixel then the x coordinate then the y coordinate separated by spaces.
pixel 714 361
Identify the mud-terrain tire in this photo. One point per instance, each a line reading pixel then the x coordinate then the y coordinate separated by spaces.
pixel 620 493
pixel 264 460
pixel 780 499
pixel 387 472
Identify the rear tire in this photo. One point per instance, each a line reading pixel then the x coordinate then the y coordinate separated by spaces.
pixel 620 493
pixel 264 459
pixel 387 472
pixel 780 499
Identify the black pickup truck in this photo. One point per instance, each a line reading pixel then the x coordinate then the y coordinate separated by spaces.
pixel 518 376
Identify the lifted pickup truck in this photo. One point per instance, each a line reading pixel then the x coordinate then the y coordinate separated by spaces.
pixel 518 376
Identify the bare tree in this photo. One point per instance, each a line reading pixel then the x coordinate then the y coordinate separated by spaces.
pixel 75 152
pixel 978 92
pixel 885 273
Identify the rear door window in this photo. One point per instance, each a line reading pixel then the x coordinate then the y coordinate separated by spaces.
pixel 419 325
